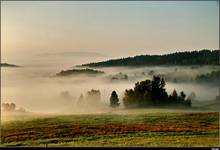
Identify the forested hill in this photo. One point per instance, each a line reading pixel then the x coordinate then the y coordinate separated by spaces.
pixel 8 65
pixel 202 57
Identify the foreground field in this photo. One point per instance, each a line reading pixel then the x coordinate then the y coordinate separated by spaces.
pixel 124 128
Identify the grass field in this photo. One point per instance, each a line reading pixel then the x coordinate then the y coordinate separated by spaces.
pixel 135 127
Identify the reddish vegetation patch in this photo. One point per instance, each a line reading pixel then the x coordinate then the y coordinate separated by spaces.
pixel 76 130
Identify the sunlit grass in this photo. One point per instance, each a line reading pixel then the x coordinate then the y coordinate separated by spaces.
pixel 146 127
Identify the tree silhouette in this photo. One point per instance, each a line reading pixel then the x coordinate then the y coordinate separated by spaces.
pixel 182 95
pixel 159 94
pixel 174 94
pixel 114 101
pixel 81 101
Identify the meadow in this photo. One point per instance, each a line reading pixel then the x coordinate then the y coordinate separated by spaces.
pixel 110 74
pixel 123 127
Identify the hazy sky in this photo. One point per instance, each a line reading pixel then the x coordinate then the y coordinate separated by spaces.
pixel 114 29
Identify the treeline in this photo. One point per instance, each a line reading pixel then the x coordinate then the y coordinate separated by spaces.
pixel 153 93
pixel 202 57
pixel 148 93
pixel 92 98
pixel 79 71
pixel 119 76
pixel 212 77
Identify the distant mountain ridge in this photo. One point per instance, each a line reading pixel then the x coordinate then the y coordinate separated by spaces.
pixel 202 57
pixel 8 65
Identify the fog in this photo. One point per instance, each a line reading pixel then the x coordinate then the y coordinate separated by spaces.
pixel 35 87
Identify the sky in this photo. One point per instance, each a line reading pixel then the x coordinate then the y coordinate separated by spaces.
pixel 111 28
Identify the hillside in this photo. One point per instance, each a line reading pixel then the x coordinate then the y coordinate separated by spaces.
pixel 202 57
pixel 8 65
pixel 79 72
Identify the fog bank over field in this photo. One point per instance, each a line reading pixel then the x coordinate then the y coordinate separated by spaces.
pixel 37 89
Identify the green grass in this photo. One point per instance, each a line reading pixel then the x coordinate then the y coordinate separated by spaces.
pixel 134 127
pixel 138 139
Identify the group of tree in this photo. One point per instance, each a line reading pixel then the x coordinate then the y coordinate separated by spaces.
pixel 202 57
pixel 180 78
pixel 212 77
pixel 119 76
pixel 146 93
pixel 92 98
pixel 153 93
pixel 65 95
pixel 79 72
pixel 11 107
